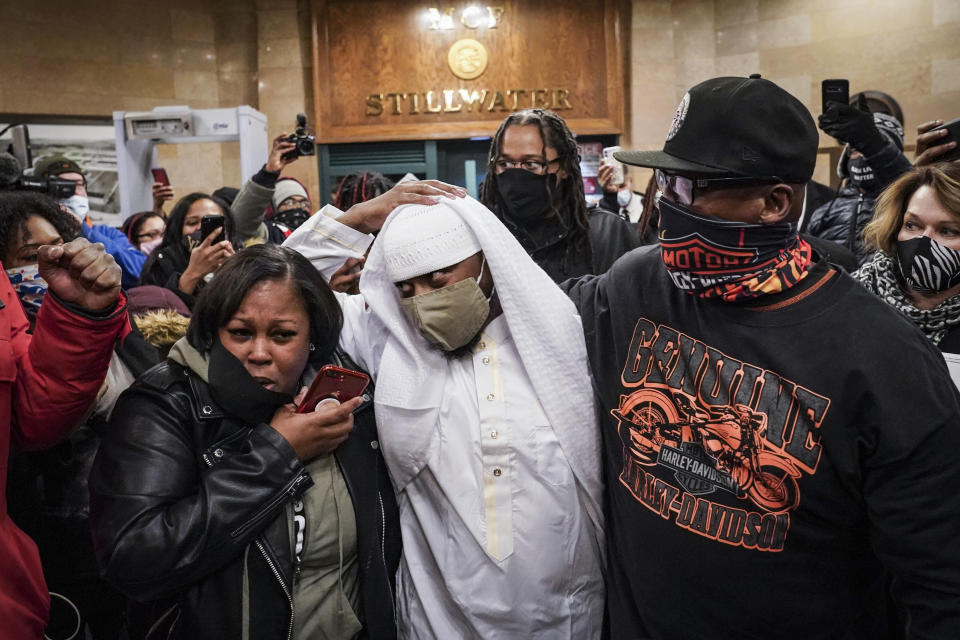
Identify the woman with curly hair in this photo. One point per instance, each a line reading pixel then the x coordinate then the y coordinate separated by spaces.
pixel 27 221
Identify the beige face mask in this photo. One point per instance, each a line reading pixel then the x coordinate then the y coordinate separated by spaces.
pixel 449 317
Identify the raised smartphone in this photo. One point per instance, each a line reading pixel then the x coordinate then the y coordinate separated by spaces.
pixel 209 224
pixel 836 90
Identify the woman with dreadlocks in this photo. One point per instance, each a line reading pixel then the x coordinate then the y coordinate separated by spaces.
pixel 533 184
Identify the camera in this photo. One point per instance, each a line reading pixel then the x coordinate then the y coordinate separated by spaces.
pixel 306 144
pixel 54 187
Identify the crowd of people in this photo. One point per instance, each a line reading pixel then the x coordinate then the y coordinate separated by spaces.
pixel 732 418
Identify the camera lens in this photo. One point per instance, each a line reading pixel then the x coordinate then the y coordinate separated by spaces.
pixel 305 146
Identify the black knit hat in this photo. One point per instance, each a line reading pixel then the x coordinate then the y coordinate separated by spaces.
pixel 736 127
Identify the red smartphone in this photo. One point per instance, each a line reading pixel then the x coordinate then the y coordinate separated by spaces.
pixel 160 175
pixel 334 382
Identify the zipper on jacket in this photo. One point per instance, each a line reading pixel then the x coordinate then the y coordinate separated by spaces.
pixel 383 554
pixel 289 491
pixel 283 585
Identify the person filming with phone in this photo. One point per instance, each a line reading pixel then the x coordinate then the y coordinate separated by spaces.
pixel 199 237
pixel 872 158
pixel 224 509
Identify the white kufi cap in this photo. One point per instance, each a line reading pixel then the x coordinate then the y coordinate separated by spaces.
pixel 421 239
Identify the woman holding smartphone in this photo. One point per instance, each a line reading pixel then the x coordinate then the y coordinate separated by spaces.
pixel 218 504
pixel 186 259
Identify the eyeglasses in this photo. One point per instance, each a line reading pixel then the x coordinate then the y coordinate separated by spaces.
pixel 533 166
pixel 149 235
pixel 680 188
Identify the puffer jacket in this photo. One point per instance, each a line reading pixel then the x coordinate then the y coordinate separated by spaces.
pixel 189 512
pixel 843 219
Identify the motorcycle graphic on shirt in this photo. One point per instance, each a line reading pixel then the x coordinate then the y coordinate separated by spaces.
pixel 713 444
pixel 718 449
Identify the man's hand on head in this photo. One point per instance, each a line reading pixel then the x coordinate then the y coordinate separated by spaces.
pixel 369 216
pixel 81 273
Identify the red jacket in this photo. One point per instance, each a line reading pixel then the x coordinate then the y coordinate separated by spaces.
pixel 46 385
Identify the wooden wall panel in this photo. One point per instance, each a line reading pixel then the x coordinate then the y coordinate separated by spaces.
pixel 564 54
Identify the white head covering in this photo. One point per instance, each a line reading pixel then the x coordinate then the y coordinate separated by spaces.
pixel 545 328
pixel 287 189
pixel 423 239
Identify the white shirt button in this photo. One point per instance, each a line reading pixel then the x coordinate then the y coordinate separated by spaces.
pixel 497 472
pixel 486 359
pixel 491 397
pixel 494 434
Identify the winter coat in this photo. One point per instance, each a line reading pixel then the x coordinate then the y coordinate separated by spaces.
pixel 117 244
pixel 47 382
pixel 843 219
pixel 609 235
pixel 170 531
pixel 163 269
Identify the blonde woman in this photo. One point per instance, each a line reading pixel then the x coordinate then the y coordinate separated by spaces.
pixel 916 232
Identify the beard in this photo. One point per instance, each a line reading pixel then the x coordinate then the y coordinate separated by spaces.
pixel 459 352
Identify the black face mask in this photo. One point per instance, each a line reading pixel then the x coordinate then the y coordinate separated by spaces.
pixel 525 195
pixel 926 265
pixel 291 218
pixel 861 174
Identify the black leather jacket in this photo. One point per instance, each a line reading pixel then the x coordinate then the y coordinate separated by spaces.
pixel 189 513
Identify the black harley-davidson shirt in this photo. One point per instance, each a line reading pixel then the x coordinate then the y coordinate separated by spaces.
pixel 773 469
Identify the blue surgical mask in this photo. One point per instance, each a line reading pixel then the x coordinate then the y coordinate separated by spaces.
pixel 624 196
pixel 79 205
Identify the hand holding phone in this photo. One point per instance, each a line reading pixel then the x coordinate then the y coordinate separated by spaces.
pixel 318 432
pixel 617 166
pixel 944 154
pixel 209 224
pixel 334 382
pixel 160 175
pixel 836 90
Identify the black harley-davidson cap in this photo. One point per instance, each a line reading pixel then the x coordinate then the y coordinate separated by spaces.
pixel 736 127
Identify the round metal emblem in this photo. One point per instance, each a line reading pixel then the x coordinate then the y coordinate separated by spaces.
pixel 467 59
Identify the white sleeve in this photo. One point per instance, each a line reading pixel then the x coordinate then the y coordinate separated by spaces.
pixel 327 243
pixel 363 336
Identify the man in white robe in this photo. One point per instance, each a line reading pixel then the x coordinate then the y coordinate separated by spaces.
pixel 487 423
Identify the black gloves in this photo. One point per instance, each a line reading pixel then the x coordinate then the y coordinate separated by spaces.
pixel 851 125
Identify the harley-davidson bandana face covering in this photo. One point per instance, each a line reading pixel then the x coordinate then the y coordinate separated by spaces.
pixel 927 265
pixel 735 261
